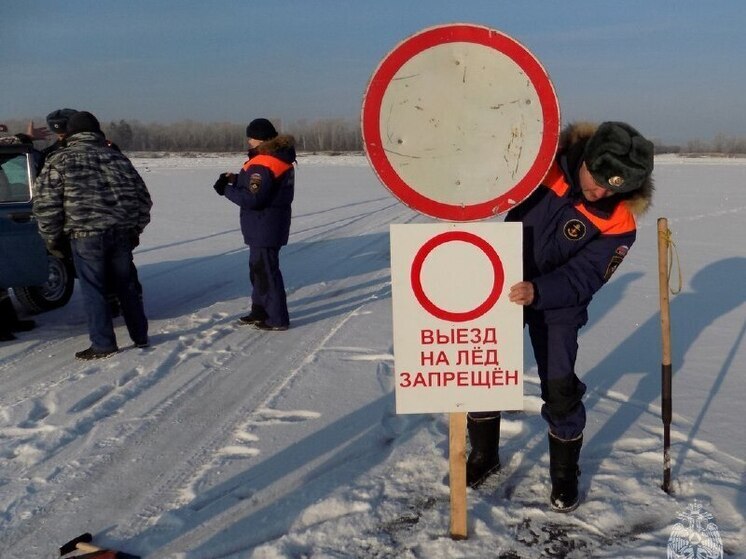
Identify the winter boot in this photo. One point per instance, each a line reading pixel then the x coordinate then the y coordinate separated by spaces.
pixel 5 334
pixel 22 325
pixel 564 471
pixel 257 315
pixel 9 321
pixel 484 436
pixel 92 353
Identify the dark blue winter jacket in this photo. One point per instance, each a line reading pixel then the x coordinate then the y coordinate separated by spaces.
pixel 571 246
pixel 264 190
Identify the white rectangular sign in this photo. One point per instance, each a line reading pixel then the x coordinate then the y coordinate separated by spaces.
pixel 458 341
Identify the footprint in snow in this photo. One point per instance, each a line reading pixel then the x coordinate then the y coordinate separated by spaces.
pixel 92 399
pixel 273 417
pixel 39 411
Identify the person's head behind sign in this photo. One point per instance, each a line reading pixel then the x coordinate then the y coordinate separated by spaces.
pixel 617 160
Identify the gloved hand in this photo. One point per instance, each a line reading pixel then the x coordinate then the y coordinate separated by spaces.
pixel 223 180
pixel 59 248
pixel 134 239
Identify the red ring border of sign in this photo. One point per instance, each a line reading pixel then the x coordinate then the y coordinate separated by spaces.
pixel 480 243
pixel 420 42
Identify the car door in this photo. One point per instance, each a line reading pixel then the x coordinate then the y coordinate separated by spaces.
pixel 23 257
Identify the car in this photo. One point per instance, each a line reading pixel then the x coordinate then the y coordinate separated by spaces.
pixel 39 280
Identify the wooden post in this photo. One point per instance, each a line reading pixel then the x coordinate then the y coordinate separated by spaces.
pixel 457 455
pixel 666 396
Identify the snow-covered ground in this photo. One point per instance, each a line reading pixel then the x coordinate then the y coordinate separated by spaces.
pixel 222 441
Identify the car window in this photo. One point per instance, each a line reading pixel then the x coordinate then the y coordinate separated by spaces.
pixel 15 181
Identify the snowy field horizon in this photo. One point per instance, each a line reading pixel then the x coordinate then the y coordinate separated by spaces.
pixel 221 441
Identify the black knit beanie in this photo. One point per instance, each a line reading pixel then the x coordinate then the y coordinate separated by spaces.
pixel 261 129
pixel 619 157
pixel 83 121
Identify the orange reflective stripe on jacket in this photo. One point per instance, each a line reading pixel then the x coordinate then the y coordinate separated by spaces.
pixel 276 166
pixel 619 222
pixel 555 180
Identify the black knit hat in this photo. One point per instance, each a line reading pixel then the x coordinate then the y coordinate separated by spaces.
pixel 57 120
pixel 83 121
pixel 261 129
pixel 619 157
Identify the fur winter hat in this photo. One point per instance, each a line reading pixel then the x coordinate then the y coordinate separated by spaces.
pixel 261 129
pixel 619 157
pixel 57 120
pixel 83 121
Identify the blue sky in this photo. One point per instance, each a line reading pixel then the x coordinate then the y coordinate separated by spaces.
pixel 674 69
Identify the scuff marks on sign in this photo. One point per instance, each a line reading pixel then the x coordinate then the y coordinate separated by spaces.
pixel 407 155
pixel 501 105
pixel 409 77
pixel 514 149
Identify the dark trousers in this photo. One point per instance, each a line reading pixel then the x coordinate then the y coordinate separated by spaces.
pixel 555 349
pixel 101 261
pixel 268 287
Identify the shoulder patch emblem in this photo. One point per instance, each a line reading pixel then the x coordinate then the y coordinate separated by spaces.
pixel 619 254
pixel 255 183
pixel 574 230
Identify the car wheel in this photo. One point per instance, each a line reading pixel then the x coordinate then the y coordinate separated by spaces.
pixel 55 293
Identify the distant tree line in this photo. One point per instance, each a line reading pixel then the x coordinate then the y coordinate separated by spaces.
pixel 324 135
pixel 310 136
pixel 720 144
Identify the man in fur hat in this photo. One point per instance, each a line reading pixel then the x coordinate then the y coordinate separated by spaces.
pixel 577 228
pixel 264 190
pixel 92 194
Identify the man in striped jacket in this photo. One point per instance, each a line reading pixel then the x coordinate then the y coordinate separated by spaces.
pixel 92 194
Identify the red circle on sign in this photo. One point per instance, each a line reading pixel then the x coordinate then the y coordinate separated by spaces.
pixel 414 45
pixel 466 237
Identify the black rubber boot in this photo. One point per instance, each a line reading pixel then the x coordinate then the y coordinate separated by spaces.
pixel 9 321
pixel 257 315
pixel 484 436
pixel 564 471
pixel 22 325
pixel 6 335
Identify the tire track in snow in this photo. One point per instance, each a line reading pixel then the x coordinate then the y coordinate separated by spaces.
pixel 178 489
pixel 178 494
pixel 94 405
pixel 125 456
pixel 134 384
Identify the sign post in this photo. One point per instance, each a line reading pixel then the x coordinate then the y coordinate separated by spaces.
pixel 457 473
pixel 458 341
pixel 460 122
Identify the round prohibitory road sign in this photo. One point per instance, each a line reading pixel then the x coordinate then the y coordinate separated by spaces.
pixel 460 122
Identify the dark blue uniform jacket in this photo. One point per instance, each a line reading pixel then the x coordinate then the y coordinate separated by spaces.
pixel 264 190
pixel 571 246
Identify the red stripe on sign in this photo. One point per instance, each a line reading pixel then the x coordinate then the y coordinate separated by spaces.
pixel 498 278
